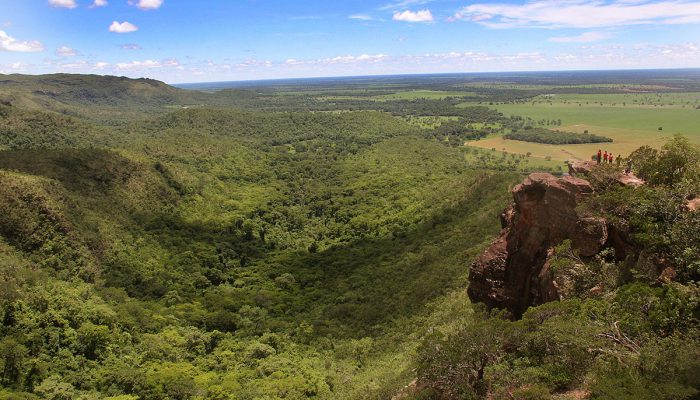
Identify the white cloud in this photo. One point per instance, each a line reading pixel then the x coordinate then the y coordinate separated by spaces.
pixel 65 51
pixel 403 4
pixel 63 3
pixel 148 65
pixel 581 13
pixel 349 59
pixel 99 3
pixel 81 65
pixel 147 4
pixel 123 27
pixel 130 46
pixel 585 37
pixel 8 43
pixel 361 17
pixel 410 16
pixel 138 65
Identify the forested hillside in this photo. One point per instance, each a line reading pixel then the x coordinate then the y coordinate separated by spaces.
pixel 158 243
pixel 214 253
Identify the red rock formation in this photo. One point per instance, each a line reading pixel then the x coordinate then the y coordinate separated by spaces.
pixel 577 168
pixel 510 273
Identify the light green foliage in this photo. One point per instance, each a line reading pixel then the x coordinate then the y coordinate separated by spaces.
pixel 676 163
pixel 242 267
pixel 153 252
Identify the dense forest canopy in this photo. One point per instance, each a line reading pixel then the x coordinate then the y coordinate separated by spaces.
pixel 313 240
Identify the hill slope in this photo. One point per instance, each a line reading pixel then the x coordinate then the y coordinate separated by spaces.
pixel 214 253
pixel 91 96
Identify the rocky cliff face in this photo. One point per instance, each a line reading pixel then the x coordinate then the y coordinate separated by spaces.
pixel 512 273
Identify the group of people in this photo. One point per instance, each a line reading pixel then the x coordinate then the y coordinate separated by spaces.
pixel 606 158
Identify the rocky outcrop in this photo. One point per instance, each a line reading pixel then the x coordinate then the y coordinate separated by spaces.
pixel 510 273
pixel 584 168
pixel 577 168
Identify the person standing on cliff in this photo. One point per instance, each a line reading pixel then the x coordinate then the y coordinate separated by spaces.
pixel 605 157
pixel 598 157
pixel 629 166
pixel 611 158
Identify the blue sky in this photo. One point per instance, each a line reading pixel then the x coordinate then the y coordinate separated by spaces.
pixel 214 40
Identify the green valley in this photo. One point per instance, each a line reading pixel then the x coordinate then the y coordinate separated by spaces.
pixel 314 240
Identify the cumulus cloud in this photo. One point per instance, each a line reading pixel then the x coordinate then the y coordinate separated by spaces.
pixel 65 51
pixel 147 4
pixel 99 3
pixel 123 27
pixel 63 3
pixel 585 37
pixel 8 43
pixel 410 16
pixel 581 13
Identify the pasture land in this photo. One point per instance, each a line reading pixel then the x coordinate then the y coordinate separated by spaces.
pixel 630 124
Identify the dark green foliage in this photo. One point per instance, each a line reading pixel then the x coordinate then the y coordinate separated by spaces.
pixel 219 252
pixel 35 129
pixel 287 254
pixel 455 133
pixel 542 135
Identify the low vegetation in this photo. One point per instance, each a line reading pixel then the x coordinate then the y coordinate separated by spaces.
pixel 547 136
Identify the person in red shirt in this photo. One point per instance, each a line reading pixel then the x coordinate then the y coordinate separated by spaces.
pixel 611 158
pixel 598 158
pixel 605 157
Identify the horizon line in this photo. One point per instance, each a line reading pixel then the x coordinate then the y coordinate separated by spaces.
pixel 330 77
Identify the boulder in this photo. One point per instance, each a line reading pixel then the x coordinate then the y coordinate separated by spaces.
pixel 578 168
pixel 630 180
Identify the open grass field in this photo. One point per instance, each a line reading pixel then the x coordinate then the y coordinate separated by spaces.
pixel 639 99
pixel 630 124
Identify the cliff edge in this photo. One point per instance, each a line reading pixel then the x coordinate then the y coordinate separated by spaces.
pixel 512 272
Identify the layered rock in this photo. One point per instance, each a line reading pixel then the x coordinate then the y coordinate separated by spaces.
pixel 510 273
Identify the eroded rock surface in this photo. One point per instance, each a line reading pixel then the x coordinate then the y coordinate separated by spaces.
pixel 509 273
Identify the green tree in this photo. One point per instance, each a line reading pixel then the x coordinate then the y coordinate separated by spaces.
pixel 13 355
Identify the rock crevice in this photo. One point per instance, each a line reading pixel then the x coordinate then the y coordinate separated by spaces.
pixel 509 274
